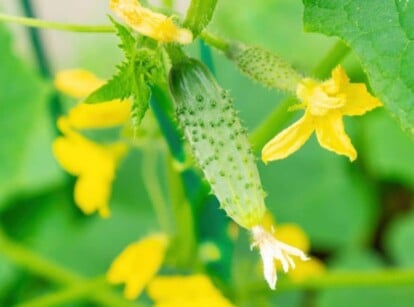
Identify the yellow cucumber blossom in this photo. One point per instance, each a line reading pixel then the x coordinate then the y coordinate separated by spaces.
pixel 325 104
pixel 77 83
pixel 137 265
pixel 185 291
pixel 95 164
pixel 149 23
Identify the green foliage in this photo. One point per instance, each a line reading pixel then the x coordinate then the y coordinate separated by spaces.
pixel 141 67
pixel 360 261
pixel 25 128
pixel 359 216
pixel 400 240
pixel 380 34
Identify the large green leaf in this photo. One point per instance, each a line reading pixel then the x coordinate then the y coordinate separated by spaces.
pixel 387 150
pixel 380 33
pixel 26 162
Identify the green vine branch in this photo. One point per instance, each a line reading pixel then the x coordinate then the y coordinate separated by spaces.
pixel 52 25
pixel 350 279
pixel 29 260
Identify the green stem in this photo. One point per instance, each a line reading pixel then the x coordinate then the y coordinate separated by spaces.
pixel 274 122
pixel 279 115
pixel 331 59
pixel 168 4
pixel 153 188
pixel 42 62
pixel 335 280
pixel 215 41
pixel 199 15
pixel 77 291
pixel 184 237
pixel 44 268
pixel 39 23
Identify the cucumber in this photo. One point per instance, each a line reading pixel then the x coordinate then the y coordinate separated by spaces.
pixel 218 141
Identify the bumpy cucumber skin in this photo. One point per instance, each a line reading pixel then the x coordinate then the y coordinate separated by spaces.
pixel 266 68
pixel 218 141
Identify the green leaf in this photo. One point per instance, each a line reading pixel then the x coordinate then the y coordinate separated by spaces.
pixel 142 67
pixel 387 150
pixel 128 42
pixel 118 87
pixel 140 103
pixel 26 161
pixel 380 33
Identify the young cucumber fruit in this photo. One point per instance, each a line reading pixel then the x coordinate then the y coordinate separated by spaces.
pixel 218 141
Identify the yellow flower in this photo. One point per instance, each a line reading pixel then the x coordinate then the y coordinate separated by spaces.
pixel 94 164
pixel 77 83
pixel 182 291
pixel 138 264
pixel 101 115
pixel 325 104
pixel 149 23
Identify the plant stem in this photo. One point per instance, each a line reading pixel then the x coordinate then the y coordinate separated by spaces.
pixel 185 233
pixel 273 122
pixel 331 59
pixel 78 290
pixel 168 4
pixel 280 114
pixel 199 15
pixel 39 23
pixel 55 107
pixel 42 267
pixel 335 280
pixel 35 40
pixel 153 188
pixel 215 41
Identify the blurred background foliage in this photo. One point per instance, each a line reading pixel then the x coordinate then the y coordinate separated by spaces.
pixel 358 215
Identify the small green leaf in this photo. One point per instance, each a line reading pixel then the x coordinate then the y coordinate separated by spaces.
pixel 119 87
pixel 380 33
pixel 140 103
pixel 128 42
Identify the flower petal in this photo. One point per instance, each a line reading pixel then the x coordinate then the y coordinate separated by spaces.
pixel 293 235
pixel 149 23
pixel 358 100
pixel 332 136
pixel 77 83
pixel 101 115
pixel 92 194
pixel 289 140
pixel 138 264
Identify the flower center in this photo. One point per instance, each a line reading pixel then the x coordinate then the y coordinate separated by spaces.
pixel 319 98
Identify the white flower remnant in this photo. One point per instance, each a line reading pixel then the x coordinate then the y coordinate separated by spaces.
pixel 272 249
